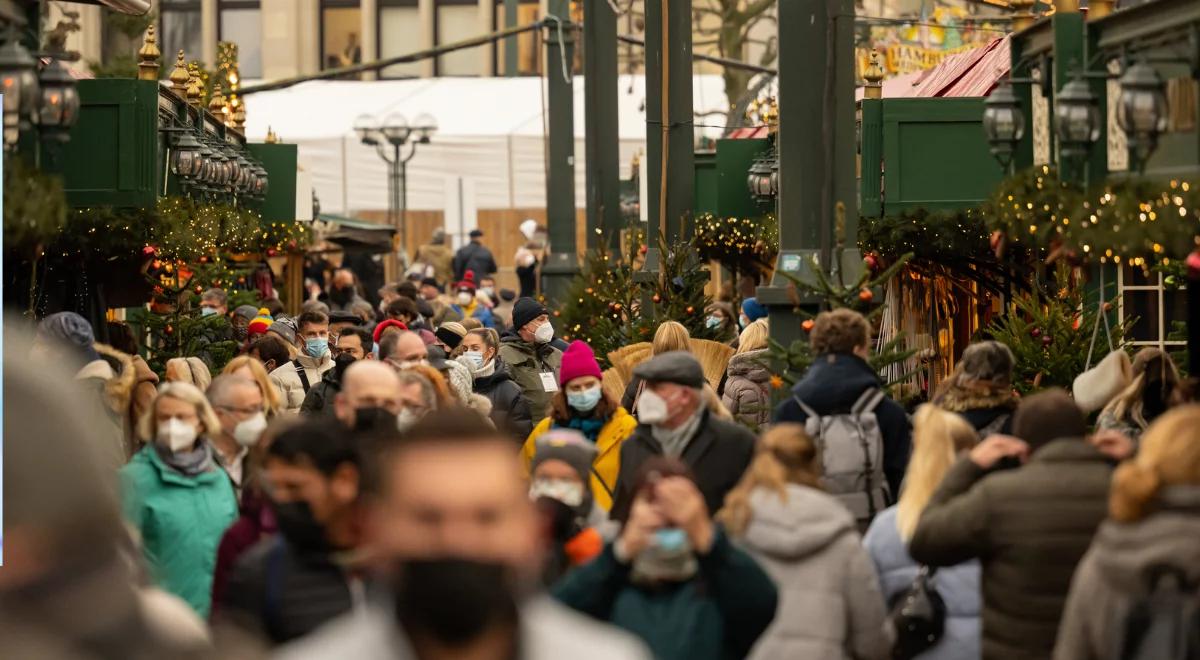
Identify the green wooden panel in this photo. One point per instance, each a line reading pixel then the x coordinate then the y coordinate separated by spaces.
pixel 734 158
pixel 935 155
pixel 706 183
pixel 871 141
pixel 280 163
pixel 113 156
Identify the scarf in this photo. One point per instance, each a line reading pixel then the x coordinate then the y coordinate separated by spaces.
pixel 675 441
pixel 588 426
pixel 189 463
pixel 486 371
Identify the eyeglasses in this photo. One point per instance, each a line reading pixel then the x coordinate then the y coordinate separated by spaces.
pixel 241 411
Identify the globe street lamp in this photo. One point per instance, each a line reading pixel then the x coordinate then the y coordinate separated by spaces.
pixel 19 84
pixel 1142 110
pixel 1003 122
pixel 1076 118
pixel 397 132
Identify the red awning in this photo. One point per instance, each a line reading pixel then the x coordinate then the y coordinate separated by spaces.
pixel 970 73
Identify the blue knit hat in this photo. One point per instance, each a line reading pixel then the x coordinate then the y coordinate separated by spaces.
pixel 753 309
pixel 71 330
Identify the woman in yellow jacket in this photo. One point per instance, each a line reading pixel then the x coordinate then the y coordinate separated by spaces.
pixel 581 404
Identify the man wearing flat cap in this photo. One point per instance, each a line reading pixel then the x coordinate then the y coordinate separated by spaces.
pixel 674 421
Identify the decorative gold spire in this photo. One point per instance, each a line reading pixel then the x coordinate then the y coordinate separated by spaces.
pixel 216 104
pixel 149 57
pixel 1023 16
pixel 271 137
pixel 874 77
pixel 195 89
pixel 1099 8
pixel 179 75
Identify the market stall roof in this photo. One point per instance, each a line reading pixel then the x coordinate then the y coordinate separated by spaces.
pixel 358 235
pixel 970 73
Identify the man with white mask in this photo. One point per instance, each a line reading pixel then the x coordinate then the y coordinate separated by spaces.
pixel 532 361
pixel 674 421
pixel 239 406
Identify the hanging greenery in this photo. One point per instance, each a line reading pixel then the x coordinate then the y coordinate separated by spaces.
pixel 35 207
pixel 747 244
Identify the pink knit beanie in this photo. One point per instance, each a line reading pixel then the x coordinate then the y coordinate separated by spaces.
pixel 578 361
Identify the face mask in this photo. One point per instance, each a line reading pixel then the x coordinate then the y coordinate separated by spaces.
pixel 465 298
pixel 564 490
pixel 712 323
pixel 453 601
pixel 248 431
pixel 372 418
pixel 476 359
pixel 177 435
pixel 670 539
pixel 296 523
pixel 240 332
pixel 488 291
pixel 403 365
pixel 341 296
pixel 375 350
pixel 406 419
pixel 586 400
pixel 652 408
pixel 544 333
pixel 207 311
pixel 669 558
pixel 316 347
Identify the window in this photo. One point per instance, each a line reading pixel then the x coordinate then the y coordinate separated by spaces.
pixel 1155 309
pixel 528 56
pixel 180 29
pixel 457 20
pixel 399 34
pixel 241 23
pixel 341 21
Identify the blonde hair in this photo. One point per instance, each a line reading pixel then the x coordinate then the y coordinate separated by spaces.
pixel 714 404
pixel 191 370
pixel 1169 455
pixel 670 336
pixel 754 337
pixel 187 393
pixel 271 398
pixel 785 455
pixel 938 437
pixel 1129 404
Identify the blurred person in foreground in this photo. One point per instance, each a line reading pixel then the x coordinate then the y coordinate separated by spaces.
pixel 1143 567
pixel 70 588
pixel 456 543
pixel 176 495
pixel 247 366
pixel 673 577
pixel 239 407
pixel 808 543
pixel 558 484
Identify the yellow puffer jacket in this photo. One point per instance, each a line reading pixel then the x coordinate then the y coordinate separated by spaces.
pixel 608 458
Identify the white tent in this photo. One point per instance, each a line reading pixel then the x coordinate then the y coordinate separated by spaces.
pixel 490 132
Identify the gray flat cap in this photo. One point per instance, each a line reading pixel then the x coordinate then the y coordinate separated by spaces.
pixel 674 367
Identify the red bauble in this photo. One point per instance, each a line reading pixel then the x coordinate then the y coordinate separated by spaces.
pixel 1047 340
pixel 871 261
pixel 657 298
pixel 1076 323
pixel 199 290
pixel 1193 264
pixel 807 325
pixel 1035 333
pixel 170 329
pixel 156 264
pixel 642 250
pixel 149 250
pixel 203 260
pixel 241 280
pixel 866 296
pixel 1108 307
pixel 271 252
pixel 557 313
pixel 616 307
pixel 691 310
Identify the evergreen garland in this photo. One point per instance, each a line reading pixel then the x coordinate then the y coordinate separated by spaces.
pixel 35 207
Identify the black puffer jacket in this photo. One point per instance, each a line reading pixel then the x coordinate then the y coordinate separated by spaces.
pixel 510 411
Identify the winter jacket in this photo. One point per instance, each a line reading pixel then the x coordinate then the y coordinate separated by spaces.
pixel 319 399
pixel 958 586
pixel 829 602
pixel 286 379
pixel 255 523
pixel 1029 527
pixel 478 311
pixel 718 455
pixel 475 258
pixel 526 362
pixel 181 520
pixel 1112 576
pixel 283 593
pixel 716 615
pixel 607 464
pixel 438 256
pixel 747 390
pixel 510 411
pixel 548 631
pixel 991 411
pixel 831 386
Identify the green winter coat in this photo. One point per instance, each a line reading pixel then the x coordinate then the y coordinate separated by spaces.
pixel 717 615
pixel 526 363
pixel 181 520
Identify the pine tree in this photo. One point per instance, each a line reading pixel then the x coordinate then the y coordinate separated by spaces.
pixel 175 326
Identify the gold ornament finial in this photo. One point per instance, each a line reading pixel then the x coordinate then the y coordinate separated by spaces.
pixel 1023 15
pixel 874 76
pixel 1099 9
pixel 149 56
pixel 179 75
pixel 271 137
pixel 195 89
pixel 216 104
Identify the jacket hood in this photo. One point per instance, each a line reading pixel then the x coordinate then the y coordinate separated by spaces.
pixel 806 523
pixel 1170 536
pixel 119 389
pixel 960 399
pixel 835 381
pixel 747 365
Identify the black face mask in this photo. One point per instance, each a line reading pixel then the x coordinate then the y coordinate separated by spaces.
pixel 341 295
pixel 373 419
pixel 240 332
pixel 453 601
pixel 296 523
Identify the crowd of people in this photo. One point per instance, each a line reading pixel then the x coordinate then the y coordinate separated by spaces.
pixel 440 476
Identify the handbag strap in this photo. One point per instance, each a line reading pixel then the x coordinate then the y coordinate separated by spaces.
pixel 1101 315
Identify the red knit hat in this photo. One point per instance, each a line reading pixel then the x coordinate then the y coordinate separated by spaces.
pixel 390 323
pixel 578 361
pixel 468 281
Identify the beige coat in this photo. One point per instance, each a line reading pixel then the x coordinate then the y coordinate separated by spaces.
pixel 287 380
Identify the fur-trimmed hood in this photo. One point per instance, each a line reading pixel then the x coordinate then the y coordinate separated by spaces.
pixel 118 389
pixel 961 399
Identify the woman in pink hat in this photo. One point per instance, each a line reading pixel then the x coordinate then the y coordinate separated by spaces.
pixel 582 404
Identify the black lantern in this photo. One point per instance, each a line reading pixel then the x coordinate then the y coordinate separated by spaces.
pixel 762 181
pixel 19 84
pixel 1142 109
pixel 1003 122
pixel 185 160
pixel 60 101
pixel 1076 118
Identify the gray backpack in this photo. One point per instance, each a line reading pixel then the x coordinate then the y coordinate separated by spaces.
pixel 850 446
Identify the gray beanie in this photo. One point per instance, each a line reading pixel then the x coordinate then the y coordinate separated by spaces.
pixel 247 312
pixel 568 446
pixel 988 361
pixel 70 330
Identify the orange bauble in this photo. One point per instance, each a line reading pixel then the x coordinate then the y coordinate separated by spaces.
pixel 807 325
pixel 865 295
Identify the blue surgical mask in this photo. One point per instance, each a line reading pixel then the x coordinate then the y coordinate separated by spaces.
pixel 375 350
pixel 208 311
pixel 476 359
pixel 712 323
pixel 586 400
pixel 316 347
pixel 670 539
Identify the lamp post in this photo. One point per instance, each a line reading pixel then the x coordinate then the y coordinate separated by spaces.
pixel 1142 110
pixel 395 131
pixel 1003 123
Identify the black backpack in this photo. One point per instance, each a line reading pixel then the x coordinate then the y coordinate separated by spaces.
pixel 919 616
pixel 1165 623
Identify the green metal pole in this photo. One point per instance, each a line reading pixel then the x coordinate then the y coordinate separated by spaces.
pixel 669 119
pixel 511 47
pixel 600 117
pixel 563 262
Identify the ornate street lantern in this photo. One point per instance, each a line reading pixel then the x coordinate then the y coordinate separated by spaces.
pixel 185 159
pixel 19 84
pixel 1142 109
pixel 1003 122
pixel 60 101
pixel 763 180
pixel 1076 118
